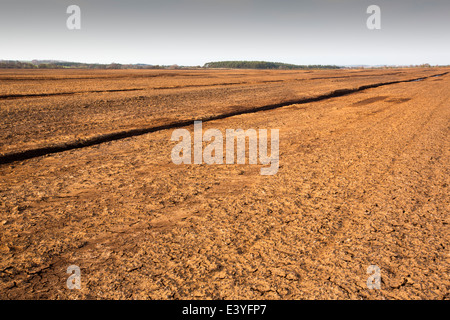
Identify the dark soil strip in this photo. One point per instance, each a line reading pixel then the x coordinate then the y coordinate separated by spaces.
pixel 37 152
pixel 18 96
pixel 199 85
pixel 222 84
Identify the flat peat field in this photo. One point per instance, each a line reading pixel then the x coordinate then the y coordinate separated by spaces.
pixel 87 179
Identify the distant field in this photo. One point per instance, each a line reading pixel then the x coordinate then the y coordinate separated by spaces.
pixel 364 180
pixel 42 108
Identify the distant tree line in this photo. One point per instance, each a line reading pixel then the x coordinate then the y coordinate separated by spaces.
pixel 16 65
pixel 52 64
pixel 48 64
pixel 263 65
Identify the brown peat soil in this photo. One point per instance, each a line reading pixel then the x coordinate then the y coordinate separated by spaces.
pixel 363 180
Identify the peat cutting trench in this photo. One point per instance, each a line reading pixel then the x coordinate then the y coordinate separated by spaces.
pixel 42 151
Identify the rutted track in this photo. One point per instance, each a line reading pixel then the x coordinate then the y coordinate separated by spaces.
pixel 42 151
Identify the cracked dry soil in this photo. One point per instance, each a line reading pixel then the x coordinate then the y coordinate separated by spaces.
pixel 363 180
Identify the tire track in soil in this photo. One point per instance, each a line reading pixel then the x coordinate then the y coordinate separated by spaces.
pixel 346 225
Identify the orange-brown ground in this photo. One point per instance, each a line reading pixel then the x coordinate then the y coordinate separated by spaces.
pixel 363 180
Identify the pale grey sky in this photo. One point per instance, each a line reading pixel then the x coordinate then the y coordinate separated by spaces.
pixel 193 32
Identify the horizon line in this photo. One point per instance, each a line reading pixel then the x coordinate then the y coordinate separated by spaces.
pixel 49 61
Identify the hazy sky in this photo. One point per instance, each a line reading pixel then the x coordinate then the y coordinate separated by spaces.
pixel 193 32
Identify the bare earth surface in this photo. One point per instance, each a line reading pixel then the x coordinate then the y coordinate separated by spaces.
pixel 363 180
